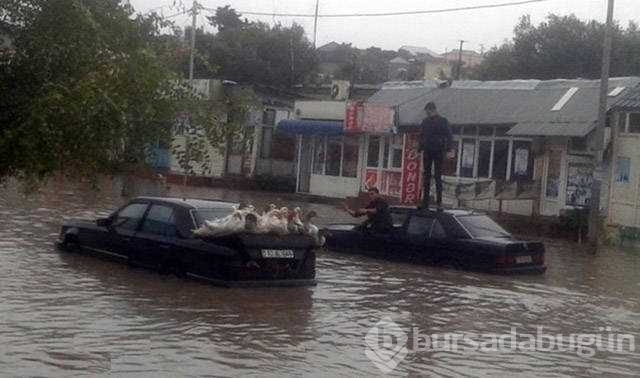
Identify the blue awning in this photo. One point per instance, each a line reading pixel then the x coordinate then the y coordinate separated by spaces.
pixel 308 127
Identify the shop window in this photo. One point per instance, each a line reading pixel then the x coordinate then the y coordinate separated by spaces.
pixel 449 166
pixel 634 123
pixel 269 117
pixel 467 157
pixel 484 158
pixel 350 157
pixel 385 155
pixel 455 130
pixel 500 159
pixel 622 122
pixel 283 147
pixel 522 164
pixel 267 140
pixel 373 152
pixel 318 155
pixel 334 156
pixel 623 170
pixel 396 157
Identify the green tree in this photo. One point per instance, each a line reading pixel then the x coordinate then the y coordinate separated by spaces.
pixel 560 47
pixel 254 52
pixel 88 89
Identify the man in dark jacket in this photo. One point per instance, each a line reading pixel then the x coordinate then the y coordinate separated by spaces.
pixel 435 144
pixel 377 212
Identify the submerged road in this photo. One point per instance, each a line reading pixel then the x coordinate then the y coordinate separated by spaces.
pixel 67 314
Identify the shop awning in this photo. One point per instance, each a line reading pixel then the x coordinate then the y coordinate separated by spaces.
pixel 552 128
pixel 310 127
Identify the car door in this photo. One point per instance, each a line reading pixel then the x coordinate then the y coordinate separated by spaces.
pixel 123 227
pixel 153 241
pixel 425 238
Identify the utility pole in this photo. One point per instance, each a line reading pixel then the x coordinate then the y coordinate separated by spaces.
pixel 594 213
pixel 315 24
pixel 459 68
pixel 194 21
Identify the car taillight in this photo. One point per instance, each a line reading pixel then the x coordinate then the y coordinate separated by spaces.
pixel 539 259
pixel 503 260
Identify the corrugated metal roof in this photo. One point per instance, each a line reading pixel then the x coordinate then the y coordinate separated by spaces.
pixel 630 101
pixel 527 103
pixel 395 93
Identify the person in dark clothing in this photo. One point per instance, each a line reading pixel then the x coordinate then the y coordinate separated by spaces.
pixel 434 145
pixel 377 212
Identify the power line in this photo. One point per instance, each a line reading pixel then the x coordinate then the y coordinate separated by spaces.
pixel 405 13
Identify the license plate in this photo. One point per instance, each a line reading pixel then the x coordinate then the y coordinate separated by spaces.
pixel 277 253
pixel 523 259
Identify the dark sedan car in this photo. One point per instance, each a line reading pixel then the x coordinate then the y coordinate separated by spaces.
pixel 456 238
pixel 156 233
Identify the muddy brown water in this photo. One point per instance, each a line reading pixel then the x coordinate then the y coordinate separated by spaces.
pixel 67 314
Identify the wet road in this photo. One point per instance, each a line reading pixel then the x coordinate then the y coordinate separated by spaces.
pixel 67 314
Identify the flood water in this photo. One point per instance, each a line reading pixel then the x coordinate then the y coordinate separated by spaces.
pixel 65 314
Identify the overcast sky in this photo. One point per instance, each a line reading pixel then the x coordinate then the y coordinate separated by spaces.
pixel 439 32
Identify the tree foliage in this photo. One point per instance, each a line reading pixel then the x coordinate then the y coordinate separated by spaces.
pixel 561 47
pixel 87 89
pixel 253 52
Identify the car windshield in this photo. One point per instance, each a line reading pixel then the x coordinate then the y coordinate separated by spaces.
pixel 482 226
pixel 211 214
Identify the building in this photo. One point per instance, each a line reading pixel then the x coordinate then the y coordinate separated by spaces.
pixel 522 146
pixel 469 58
pixel 624 172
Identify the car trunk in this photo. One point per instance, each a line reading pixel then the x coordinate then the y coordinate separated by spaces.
pixel 269 257
pixel 521 254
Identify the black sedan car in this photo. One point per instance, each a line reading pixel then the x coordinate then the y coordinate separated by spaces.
pixel 156 233
pixel 455 238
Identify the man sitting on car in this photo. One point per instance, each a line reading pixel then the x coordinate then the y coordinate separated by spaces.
pixel 377 213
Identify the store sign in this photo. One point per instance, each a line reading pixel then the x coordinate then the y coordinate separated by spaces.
pixel 353 117
pixel 373 118
pixel 411 171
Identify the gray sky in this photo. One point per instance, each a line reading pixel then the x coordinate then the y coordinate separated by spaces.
pixel 439 32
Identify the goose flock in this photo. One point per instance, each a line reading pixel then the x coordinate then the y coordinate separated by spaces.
pixel 273 220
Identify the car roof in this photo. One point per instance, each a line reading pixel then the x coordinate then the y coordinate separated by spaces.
pixel 452 212
pixel 189 203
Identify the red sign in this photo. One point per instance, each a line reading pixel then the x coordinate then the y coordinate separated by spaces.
pixel 377 118
pixel 352 119
pixel 371 178
pixel 411 171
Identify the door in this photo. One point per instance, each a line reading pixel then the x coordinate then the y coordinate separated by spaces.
pixel 424 237
pixel 152 243
pixel 552 187
pixel 123 228
pixel 305 157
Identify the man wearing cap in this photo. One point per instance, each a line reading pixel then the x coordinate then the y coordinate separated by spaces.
pixel 434 145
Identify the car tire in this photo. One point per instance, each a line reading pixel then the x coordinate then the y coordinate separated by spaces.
pixel 71 244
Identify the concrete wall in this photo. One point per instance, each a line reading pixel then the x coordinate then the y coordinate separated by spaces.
pixel 321 110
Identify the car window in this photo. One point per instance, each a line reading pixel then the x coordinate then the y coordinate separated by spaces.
pixel 129 217
pixel 420 226
pixel 160 220
pixel 482 226
pixel 437 231
pixel 211 214
pixel 398 219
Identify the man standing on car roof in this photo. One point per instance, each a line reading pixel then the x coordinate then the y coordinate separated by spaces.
pixel 377 212
pixel 434 144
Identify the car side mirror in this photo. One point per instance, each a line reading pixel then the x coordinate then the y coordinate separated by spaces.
pixel 104 222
